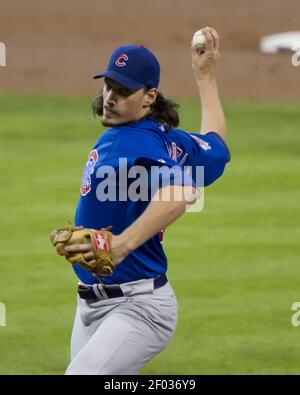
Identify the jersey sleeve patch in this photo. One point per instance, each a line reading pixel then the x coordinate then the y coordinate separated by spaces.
pixel 88 170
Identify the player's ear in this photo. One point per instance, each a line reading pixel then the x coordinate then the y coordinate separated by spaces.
pixel 150 97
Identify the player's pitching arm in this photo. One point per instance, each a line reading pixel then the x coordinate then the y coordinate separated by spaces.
pixel 204 65
pixel 166 206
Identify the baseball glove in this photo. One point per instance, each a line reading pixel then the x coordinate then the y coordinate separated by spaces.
pixel 100 241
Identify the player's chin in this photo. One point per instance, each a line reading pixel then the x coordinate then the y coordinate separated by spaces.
pixel 110 121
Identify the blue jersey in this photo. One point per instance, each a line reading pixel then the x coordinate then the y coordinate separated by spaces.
pixel 144 143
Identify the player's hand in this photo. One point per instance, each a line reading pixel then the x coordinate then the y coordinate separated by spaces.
pixel 204 64
pixel 86 249
pixel 118 250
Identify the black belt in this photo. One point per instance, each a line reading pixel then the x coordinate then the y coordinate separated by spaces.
pixel 112 291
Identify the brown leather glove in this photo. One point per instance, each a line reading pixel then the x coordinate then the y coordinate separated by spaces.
pixel 100 241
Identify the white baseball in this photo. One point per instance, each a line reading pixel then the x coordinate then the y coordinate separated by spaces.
pixel 199 39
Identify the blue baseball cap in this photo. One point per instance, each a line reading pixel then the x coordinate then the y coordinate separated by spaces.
pixel 134 67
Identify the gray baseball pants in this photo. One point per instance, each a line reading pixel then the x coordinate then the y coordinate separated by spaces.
pixel 118 336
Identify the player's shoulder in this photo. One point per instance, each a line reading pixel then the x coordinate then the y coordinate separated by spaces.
pixel 141 132
pixel 204 141
pixel 180 138
pixel 134 139
pixel 175 133
pixel 180 135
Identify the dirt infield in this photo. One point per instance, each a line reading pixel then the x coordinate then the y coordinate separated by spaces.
pixel 56 46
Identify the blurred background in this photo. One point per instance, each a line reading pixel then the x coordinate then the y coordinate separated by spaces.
pixel 234 266
pixel 56 46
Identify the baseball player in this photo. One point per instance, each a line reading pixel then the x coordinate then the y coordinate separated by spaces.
pixel 127 310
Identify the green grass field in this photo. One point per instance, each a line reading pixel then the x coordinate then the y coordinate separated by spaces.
pixel 234 266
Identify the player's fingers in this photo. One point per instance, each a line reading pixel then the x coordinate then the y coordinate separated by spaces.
pixel 88 256
pixel 209 39
pixel 209 32
pixel 216 38
pixel 78 248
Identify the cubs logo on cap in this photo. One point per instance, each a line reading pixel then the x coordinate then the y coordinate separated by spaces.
pixel 121 60
pixel 142 68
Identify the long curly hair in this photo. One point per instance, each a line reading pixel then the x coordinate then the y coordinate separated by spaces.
pixel 163 110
